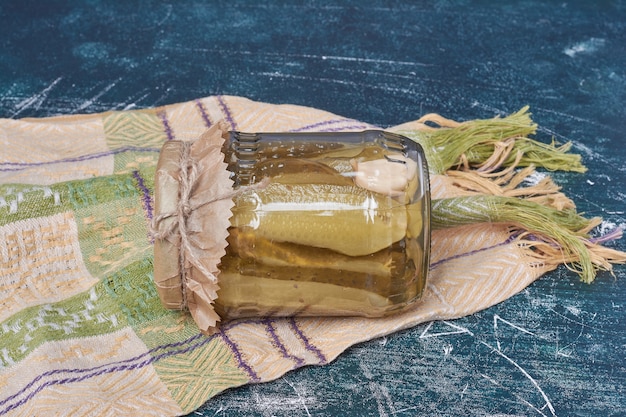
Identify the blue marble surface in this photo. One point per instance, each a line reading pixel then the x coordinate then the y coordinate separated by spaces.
pixel 558 348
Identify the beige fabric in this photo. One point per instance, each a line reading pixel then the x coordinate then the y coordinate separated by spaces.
pixel 83 331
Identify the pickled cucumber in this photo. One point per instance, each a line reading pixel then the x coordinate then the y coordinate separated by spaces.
pixel 279 298
pixel 415 219
pixel 244 243
pixel 301 171
pixel 346 219
pixel 254 268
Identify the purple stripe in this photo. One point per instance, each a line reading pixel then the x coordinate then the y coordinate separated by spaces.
pixel 170 350
pixel 319 124
pixel 463 255
pixel 146 198
pixel 127 363
pixel 147 359
pixel 227 112
pixel 240 361
pixel 269 327
pixel 166 124
pixel 104 369
pixel 76 159
pixel 614 234
pixel 307 343
pixel 203 113
pixel 146 202
pixel 234 323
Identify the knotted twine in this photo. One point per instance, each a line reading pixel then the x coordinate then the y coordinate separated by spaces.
pixel 192 207
pixel 188 177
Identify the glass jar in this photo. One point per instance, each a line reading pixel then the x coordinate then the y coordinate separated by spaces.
pixel 324 224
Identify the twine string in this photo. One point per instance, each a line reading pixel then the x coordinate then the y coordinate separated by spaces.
pixel 188 178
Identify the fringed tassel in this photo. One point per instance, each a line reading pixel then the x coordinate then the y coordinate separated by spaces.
pixel 482 157
pixel 556 236
pixel 489 144
pixel 547 253
pixel 510 183
pixel 550 157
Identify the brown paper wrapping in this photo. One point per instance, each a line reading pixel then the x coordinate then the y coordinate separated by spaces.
pixel 193 201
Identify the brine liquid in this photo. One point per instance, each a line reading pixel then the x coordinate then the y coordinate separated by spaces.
pixel 308 240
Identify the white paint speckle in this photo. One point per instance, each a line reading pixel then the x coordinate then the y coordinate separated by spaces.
pixel 608 226
pixel 589 46
pixel 574 310
pixel 534 178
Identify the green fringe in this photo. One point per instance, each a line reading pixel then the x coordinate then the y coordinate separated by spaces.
pixel 565 228
pixel 550 157
pixel 476 140
pixel 490 146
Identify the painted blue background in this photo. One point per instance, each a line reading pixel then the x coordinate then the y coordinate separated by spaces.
pixel 558 348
